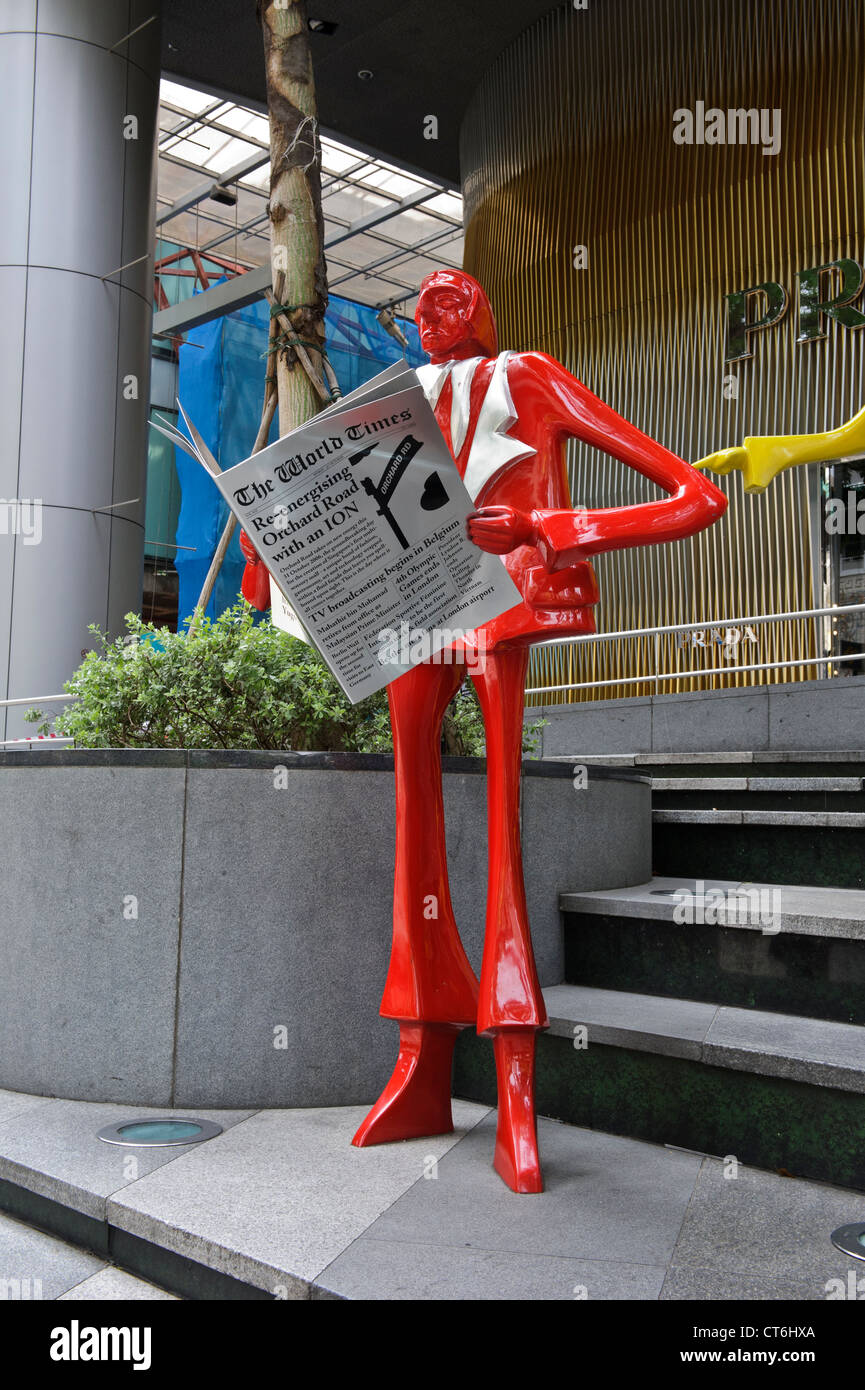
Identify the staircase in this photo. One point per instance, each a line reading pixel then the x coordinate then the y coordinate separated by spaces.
pixel 791 818
pixel 720 1007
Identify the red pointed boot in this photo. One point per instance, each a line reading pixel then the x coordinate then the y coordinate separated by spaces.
pixel 516 1159
pixel 417 1099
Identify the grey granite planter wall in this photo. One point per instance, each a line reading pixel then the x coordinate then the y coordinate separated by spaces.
pixel 175 930
pixel 814 715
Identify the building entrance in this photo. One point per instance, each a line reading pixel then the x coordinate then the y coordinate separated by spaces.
pixel 843 557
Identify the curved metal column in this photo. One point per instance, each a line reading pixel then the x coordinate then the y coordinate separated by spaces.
pixel 79 108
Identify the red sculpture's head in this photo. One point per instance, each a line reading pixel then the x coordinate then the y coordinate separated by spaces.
pixel 455 318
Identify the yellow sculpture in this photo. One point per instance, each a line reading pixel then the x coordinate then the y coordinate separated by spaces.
pixel 762 457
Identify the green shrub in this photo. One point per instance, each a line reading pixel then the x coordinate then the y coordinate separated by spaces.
pixel 234 684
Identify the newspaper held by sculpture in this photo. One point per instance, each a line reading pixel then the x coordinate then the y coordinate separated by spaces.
pixel 282 615
pixel 360 516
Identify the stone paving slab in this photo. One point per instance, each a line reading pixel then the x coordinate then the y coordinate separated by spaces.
pixel 605 1199
pixel 53 1149
pixel 691 1283
pixel 35 1266
pixel 757 1230
pixel 390 1270
pixel 14 1103
pixel 282 1201
pixel 111 1284
pixel 276 1199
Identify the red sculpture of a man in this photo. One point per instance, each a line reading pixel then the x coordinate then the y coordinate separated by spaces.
pixel 506 418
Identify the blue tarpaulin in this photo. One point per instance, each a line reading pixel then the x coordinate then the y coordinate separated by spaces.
pixel 221 386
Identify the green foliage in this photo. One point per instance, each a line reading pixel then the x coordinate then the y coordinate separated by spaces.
pixel 234 684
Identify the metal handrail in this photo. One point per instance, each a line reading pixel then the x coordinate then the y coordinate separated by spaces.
pixel 586 637
pixel 38 699
pixel 704 626
pixel 692 675
pixel 37 738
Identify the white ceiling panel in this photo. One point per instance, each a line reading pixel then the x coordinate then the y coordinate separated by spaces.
pixel 203 137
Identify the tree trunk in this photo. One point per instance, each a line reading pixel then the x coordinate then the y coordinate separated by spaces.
pixel 296 226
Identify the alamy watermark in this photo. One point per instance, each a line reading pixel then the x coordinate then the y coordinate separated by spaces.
pixel 845 516
pixel 77 1343
pixel 439 646
pixel 745 905
pixel 735 126
pixel 853 1287
pixel 22 516
pixel 18 1290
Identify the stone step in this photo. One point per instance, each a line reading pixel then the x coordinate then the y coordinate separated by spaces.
pixel 776 763
pixel 802 794
pixel 745 757
pixel 824 847
pixel 810 1050
pixel 753 945
pixel 758 784
pixel 281 1206
pixel 702 815
pixel 751 799
pixel 261 1211
pixel 777 1090
pixel 61 1270
pixel 807 910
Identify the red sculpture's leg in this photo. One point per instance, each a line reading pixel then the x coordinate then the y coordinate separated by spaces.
pixel 417 1099
pixel 511 1007
pixel 431 987
pixel 516 1159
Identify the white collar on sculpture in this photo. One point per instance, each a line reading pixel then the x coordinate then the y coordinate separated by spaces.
pixel 492 449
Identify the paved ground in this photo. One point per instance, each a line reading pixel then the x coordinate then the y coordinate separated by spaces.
pixel 282 1201
pixel 35 1266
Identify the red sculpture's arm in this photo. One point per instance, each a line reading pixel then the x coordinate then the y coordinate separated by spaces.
pixel 255 585
pixel 565 537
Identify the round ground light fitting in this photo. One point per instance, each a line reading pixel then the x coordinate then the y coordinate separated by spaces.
pixel 851 1240
pixel 159 1132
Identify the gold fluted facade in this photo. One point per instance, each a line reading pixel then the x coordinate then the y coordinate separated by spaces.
pixel 569 142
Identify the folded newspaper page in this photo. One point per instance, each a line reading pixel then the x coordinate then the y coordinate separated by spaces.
pixel 359 516
pixel 396 377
